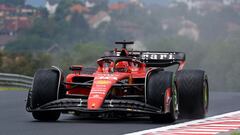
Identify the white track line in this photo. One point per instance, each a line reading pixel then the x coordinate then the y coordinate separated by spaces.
pixel 161 129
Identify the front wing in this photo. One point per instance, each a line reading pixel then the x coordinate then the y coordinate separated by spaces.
pixel 113 105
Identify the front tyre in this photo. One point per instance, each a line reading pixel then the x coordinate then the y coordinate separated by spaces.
pixel 46 88
pixel 46 115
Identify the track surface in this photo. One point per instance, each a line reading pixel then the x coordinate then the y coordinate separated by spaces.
pixel 14 120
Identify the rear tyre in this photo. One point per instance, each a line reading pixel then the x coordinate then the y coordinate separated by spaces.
pixel 46 88
pixel 157 83
pixel 193 92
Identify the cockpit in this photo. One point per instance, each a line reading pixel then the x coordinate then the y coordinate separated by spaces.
pixel 119 64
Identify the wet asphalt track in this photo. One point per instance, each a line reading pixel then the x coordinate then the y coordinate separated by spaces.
pixel 14 120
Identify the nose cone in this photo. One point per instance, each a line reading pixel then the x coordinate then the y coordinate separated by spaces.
pixel 94 103
pixel 101 85
pixel 98 94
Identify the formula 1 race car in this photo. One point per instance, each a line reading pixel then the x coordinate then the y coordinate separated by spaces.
pixel 125 83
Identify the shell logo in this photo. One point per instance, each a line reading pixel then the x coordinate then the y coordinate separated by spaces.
pixel 103 82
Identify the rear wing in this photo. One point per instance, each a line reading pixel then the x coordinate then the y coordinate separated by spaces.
pixel 156 58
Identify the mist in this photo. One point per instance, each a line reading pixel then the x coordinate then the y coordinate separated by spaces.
pixel 209 37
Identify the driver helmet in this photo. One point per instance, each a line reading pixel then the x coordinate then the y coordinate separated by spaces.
pixel 122 66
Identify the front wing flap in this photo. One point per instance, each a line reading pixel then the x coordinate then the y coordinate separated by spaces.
pixel 80 105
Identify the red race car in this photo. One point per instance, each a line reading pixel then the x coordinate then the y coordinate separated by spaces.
pixel 124 84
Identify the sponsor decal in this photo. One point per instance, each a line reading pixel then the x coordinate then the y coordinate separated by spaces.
pixel 106 77
pixel 95 97
pixel 157 56
pixel 101 87
pixel 96 92
pixel 103 82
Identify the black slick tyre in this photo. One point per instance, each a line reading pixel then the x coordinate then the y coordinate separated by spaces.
pixel 192 86
pixel 44 90
pixel 158 82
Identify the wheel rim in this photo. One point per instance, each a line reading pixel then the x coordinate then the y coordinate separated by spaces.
pixel 175 102
pixel 205 95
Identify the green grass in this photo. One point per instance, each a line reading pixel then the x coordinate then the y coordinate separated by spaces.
pixel 12 89
pixel 235 133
